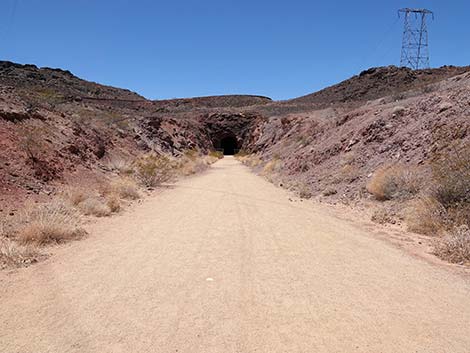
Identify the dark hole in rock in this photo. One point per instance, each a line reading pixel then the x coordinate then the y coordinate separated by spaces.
pixel 229 145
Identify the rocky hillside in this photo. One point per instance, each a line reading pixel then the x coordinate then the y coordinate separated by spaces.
pixel 379 82
pixel 335 150
pixel 56 128
pixel 391 82
pixel 56 84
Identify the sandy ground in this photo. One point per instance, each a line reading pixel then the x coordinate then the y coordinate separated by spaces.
pixel 224 262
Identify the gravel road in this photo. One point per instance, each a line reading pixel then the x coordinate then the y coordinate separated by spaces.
pixel 225 262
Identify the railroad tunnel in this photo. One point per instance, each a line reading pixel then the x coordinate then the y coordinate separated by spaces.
pixel 230 132
pixel 227 143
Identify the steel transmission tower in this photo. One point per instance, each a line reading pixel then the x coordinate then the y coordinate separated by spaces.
pixel 414 49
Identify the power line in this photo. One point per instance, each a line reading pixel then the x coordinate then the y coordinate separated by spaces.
pixel 415 48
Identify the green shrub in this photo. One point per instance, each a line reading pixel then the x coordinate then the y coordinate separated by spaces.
pixel 152 170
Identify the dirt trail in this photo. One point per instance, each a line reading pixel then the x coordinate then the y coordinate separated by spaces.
pixel 224 262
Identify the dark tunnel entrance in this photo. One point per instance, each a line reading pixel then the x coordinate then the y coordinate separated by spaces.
pixel 229 145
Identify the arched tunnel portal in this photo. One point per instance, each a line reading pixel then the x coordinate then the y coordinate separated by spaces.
pixel 231 132
pixel 227 143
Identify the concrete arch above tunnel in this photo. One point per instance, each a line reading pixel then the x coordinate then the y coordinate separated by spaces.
pixel 227 143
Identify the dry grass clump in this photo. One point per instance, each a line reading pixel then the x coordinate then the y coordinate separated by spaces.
pixel 455 246
pixel 94 207
pixel 240 154
pixel 272 169
pixel 250 160
pixel 29 143
pixel 13 254
pixel 211 159
pixel 192 162
pixel 125 188
pixel 382 216
pixel 398 110
pixel 393 181
pixel 273 166
pixel 329 192
pixel 113 202
pixel 76 195
pixel 216 154
pixel 122 165
pixel 152 170
pixel 451 178
pixel 445 208
pixel 90 203
pixel 53 222
pixel 191 154
pixel 305 192
pixel 446 203
pixel 347 173
pixel 426 215
pixel 190 167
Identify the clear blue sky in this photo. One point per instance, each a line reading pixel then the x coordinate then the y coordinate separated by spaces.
pixel 165 49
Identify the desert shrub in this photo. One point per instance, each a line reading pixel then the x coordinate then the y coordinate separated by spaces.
pixel 451 178
pixel 192 162
pixel 13 254
pixel 427 89
pixel 304 191
pixel 94 207
pixel 31 139
pixel 348 158
pixel 455 246
pixel 393 181
pixel 113 202
pixel 398 110
pixel 120 164
pixel 250 160
pixel 125 188
pixel 53 222
pixel 426 215
pixel 193 166
pixel 253 161
pixel 191 154
pixel 152 170
pixel 446 204
pixel 216 154
pixel 329 192
pixel 88 202
pixel 210 159
pixel 348 173
pixel 76 195
pixel 303 140
pixel 273 166
pixel 398 96
pixel 382 216
pixel 241 153
pixel 48 95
